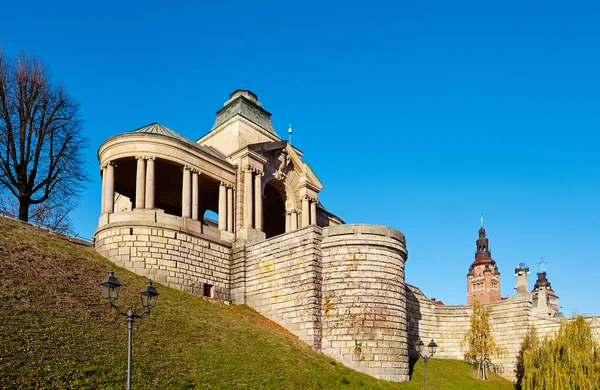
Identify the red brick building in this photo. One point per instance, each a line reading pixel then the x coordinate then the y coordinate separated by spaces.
pixel 483 279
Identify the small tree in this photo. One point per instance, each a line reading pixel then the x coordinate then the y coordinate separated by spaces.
pixel 568 361
pixel 41 144
pixel 479 342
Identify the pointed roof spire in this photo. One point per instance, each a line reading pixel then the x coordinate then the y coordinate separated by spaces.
pixel 483 253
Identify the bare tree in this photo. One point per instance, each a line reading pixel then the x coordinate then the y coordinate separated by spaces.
pixel 41 142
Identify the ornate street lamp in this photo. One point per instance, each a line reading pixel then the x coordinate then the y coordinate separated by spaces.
pixel 432 347
pixel 110 291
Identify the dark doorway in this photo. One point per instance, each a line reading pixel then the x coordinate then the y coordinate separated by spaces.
pixel 207 290
pixel 274 209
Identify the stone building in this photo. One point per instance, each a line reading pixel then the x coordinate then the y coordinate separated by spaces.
pixel 273 246
pixel 483 279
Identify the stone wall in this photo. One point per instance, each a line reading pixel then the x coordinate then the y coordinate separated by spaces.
pixel 340 289
pixel 364 307
pixel 447 325
pixel 282 281
pixel 549 326
pixel 177 259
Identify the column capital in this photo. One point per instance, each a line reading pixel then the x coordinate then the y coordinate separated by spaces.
pixel 150 158
pixel 106 164
pixel 186 168
pixel 140 157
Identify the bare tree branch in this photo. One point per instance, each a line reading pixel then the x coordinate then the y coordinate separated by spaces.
pixel 41 141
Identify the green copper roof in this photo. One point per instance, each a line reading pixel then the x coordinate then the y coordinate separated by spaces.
pixel 160 130
pixel 245 103
pixel 157 128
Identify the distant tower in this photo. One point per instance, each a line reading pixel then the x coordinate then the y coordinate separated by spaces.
pixel 543 297
pixel 483 279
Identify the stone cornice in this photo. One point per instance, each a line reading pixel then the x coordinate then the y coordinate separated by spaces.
pixel 150 146
pixel 249 154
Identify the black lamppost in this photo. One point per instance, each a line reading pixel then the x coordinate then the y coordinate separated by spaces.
pixel 110 290
pixel 431 346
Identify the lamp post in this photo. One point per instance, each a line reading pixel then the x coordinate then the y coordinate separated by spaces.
pixel 431 346
pixel 110 291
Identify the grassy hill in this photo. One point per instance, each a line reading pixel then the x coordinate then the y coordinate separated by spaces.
pixel 57 332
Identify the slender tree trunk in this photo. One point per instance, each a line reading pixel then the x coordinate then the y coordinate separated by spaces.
pixel 24 209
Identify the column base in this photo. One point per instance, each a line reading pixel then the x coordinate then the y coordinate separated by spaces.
pixel 251 235
pixel 103 220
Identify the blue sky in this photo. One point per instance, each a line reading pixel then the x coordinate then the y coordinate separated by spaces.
pixel 416 115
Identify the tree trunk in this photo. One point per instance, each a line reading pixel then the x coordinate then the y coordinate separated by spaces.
pixel 24 209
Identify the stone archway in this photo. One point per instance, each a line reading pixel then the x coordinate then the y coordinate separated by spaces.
pixel 274 209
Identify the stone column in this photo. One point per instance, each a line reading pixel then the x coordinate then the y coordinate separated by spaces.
pixel 294 220
pixel 313 211
pixel 248 197
pixel 288 222
pixel 185 193
pixel 258 201
pixel 542 298
pixel 140 183
pixel 222 207
pixel 230 209
pixel 103 200
pixel 305 211
pixel 110 188
pixel 150 183
pixel 194 195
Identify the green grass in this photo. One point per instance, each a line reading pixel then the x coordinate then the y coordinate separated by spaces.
pixel 57 332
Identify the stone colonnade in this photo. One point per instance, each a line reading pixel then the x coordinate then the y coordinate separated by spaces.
pixel 145 191
pixel 309 214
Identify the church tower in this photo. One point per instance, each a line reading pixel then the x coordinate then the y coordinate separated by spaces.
pixel 483 279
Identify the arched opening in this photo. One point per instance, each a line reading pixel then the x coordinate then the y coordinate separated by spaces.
pixel 274 209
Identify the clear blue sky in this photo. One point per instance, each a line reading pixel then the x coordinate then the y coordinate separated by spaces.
pixel 416 115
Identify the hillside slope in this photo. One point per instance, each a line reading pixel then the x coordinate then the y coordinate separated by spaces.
pixel 57 332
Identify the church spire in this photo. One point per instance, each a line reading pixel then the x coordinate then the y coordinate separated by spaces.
pixel 483 250
pixel 483 279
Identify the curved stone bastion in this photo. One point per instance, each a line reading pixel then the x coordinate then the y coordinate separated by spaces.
pixel 364 301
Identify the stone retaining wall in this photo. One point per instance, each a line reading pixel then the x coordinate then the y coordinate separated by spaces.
pixel 510 319
pixel 283 281
pixel 177 259
pixel 340 289
pixel 447 325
